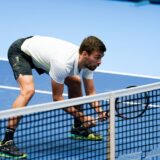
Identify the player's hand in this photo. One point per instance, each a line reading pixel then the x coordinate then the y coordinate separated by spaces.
pixel 88 121
pixel 103 116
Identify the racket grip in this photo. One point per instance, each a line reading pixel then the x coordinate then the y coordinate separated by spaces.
pixel 97 119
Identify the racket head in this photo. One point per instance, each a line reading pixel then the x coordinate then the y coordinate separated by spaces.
pixel 132 106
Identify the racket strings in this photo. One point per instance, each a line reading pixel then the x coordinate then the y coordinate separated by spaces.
pixel 132 106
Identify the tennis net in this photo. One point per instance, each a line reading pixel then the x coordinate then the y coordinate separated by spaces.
pixel 44 131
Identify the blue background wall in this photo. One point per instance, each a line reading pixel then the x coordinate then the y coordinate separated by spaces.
pixel 130 30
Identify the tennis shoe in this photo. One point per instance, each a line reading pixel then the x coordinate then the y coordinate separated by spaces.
pixel 9 150
pixel 82 133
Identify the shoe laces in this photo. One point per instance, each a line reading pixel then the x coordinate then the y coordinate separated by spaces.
pixel 11 145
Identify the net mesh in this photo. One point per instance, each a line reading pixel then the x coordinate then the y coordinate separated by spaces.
pixel 139 136
pixel 44 131
pixel 46 135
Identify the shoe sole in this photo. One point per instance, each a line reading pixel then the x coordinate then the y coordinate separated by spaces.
pixel 91 137
pixel 4 155
pixel 13 157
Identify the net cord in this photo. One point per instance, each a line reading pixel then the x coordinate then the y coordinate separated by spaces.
pixel 77 101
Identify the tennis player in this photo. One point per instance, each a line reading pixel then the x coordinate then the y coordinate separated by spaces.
pixel 66 64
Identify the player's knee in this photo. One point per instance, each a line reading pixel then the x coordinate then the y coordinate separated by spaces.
pixel 27 93
pixel 76 85
pixel 74 82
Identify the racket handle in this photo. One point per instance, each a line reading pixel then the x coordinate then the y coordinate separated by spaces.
pixel 97 119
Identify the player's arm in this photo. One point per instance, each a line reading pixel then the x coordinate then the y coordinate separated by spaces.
pixel 57 93
pixel 90 90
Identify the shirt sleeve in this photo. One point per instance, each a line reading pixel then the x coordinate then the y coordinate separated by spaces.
pixel 58 71
pixel 88 74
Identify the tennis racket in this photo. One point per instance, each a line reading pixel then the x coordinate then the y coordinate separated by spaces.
pixel 132 106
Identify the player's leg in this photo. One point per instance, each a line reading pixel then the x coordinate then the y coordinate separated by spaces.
pixel 8 147
pixel 75 90
pixel 27 90
pixel 78 131
pixel 22 70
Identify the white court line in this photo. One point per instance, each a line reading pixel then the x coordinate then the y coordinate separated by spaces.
pixel 37 91
pixel 153 106
pixel 113 72
pixel 16 88
pixel 3 59
pixel 128 74
pixel 136 104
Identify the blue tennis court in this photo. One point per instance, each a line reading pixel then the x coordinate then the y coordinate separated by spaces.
pixel 63 147
pixel 103 81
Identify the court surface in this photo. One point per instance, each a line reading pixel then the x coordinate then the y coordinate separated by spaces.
pixel 104 81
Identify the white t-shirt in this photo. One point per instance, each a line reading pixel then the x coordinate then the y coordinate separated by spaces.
pixel 57 57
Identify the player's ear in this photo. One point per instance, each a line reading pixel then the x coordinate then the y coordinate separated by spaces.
pixel 85 53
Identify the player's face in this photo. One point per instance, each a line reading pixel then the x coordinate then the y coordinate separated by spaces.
pixel 93 60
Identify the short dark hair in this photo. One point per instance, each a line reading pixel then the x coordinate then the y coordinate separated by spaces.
pixel 91 44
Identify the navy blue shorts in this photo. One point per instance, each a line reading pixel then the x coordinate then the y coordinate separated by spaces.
pixel 20 62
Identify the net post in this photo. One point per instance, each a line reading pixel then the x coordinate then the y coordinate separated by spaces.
pixel 111 130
